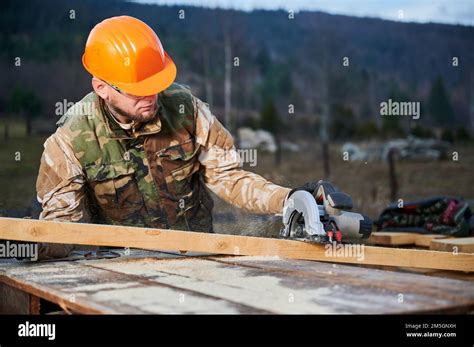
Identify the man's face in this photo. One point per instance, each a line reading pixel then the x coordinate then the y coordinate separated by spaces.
pixel 126 107
pixel 134 108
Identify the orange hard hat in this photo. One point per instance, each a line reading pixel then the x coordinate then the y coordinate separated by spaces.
pixel 126 53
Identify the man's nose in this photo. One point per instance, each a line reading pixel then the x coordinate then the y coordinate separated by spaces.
pixel 150 98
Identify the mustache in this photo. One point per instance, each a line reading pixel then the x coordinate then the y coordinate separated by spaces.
pixel 137 116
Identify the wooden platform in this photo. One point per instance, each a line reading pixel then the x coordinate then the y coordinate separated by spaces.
pixel 158 282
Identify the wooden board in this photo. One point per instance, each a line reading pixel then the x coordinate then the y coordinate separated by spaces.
pixel 79 288
pixel 388 238
pixel 385 238
pixel 384 280
pixel 122 236
pixel 425 240
pixel 461 245
pixel 234 285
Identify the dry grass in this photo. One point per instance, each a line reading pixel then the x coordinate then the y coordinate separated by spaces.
pixel 367 183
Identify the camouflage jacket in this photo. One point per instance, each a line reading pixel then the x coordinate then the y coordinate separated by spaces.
pixel 154 175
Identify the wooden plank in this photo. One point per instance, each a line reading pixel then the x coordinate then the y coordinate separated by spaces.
pixel 389 238
pixel 424 240
pixel 304 287
pixel 362 275
pixel 121 236
pixel 78 288
pixel 385 238
pixel 390 280
pixel 461 245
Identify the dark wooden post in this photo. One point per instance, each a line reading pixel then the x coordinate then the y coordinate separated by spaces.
pixel 392 174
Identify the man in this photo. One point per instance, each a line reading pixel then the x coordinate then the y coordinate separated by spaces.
pixel 141 150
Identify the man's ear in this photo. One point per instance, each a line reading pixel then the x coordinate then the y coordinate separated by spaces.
pixel 100 88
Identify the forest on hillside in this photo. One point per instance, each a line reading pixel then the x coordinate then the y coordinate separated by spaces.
pixel 304 68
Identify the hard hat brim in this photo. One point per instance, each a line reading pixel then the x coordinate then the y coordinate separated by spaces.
pixel 151 85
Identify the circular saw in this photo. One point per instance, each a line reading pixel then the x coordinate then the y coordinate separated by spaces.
pixel 323 217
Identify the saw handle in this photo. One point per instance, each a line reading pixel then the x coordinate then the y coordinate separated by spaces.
pixel 340 200
pixel 337 200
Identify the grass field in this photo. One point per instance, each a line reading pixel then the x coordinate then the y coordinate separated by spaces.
pixel 368 184
pixel 19 162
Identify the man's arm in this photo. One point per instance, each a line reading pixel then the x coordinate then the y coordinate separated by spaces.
pixel 60 189
pixel 222 172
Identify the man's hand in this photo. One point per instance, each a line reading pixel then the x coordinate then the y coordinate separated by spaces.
pixel 310 187
pixel 54 250
pixel 337 199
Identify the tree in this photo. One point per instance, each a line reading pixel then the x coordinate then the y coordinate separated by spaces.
pixel 439 106
pixel 462 135
pixel 421 132
pixel 263 60
pixel 6 128
pixel 342 124
pixel 270 120
pixel 391 125
pixel 367 130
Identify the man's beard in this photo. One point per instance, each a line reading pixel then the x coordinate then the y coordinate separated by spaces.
pixel 133 117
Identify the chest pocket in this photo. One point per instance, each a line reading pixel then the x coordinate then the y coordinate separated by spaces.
pixel 180 163
pixel 115 188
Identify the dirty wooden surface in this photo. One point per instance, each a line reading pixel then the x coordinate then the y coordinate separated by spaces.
pixel 157 282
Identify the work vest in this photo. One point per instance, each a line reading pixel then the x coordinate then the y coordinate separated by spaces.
pixel 148 177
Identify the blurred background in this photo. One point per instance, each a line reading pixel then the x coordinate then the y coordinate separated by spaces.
pixel 301 82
